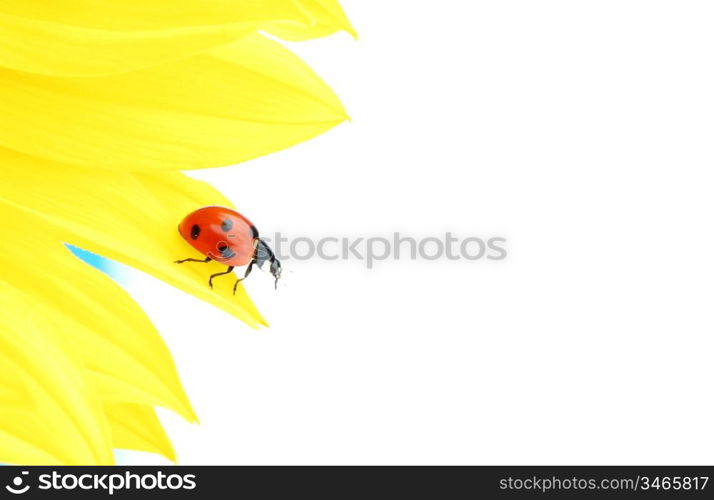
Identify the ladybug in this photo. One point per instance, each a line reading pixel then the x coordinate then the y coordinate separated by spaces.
pixel 224 235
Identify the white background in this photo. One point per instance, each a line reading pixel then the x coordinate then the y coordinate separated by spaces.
pixel 582 132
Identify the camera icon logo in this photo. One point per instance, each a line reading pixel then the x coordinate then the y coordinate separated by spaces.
pixel 17 487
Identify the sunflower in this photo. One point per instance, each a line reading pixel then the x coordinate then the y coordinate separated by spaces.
pixel 102 103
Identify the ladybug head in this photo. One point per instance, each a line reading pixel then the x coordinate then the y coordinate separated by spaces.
pixel 263 255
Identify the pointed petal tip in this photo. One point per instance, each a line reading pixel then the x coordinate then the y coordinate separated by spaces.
pixel 170 453
pixel 190 415
pixel 350 30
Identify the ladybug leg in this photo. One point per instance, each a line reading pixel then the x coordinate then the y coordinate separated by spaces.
pixel 247 272
pixel 227 271
pixel 207 259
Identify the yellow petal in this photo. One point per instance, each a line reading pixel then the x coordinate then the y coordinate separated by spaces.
pixel 140 15
pixel 219 108
pixel 327 17
pixel 136 427
pixel 48 414
pixel 125 358
pixel 69 48
pixel 131 218
pixel 49 411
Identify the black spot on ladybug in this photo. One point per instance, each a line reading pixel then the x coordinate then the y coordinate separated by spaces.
pixel 226 251
pixel 227 225
pixel 195 231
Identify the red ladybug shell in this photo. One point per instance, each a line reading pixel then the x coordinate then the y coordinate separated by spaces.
pixel 220 233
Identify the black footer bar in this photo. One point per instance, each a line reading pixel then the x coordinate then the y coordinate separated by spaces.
pixel 367 482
